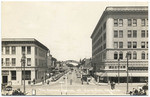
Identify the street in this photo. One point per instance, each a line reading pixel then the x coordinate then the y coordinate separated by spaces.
pixel 69 84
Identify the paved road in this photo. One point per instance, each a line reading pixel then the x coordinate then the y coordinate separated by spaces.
pixel 64 87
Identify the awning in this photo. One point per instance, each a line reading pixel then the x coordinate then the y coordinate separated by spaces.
pixel 125 74
pixel 105 74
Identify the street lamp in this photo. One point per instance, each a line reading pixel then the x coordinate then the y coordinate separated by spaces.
pixel 118 70
pixel 127 56
pixel 23 61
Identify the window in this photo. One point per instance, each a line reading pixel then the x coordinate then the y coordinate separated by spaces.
pixel 129 22
pixel 120 22
pixel 134 44
pixel 35 50
pixel 134 55
pixel 147 44
pixel 147 33
pixel 129 55
pixel 104 46
pixel 142 44
pixel 23 49
pixel 143 22
pixel 115 33
pixel 120 33
pixel 7 50
pixel 143 33
pixel 109 67
pixel 147 22
pixel 143 55
pixel 129 33
pixel 7 61
pixel 134 22
pixel 115 55
pixel 120 44
pixel 13 75
pixel 134 33
pixel 115 44
pixel 27 75
pixel 13 50
pixel 13 61
pixel 28 49
pixel 115 22
pixel 2 61
pixel 147 55
pixel 28 61
pixel 129 44
pixel 120 55
pixel 36 62
pixel 2 50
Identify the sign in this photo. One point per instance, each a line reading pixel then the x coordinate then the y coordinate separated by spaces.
pixel 5 73
pixel 8 88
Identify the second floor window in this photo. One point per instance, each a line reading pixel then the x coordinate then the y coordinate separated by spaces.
pixel 28 49
pixel 120 55
pixel 115 44
pixel 134 55
pixel 115 55
pixel 134 44
pixel 28 61
pixel 13 61
pixel 142 44
pixel 7 50
pixel 7 61
pixel 13 50
pixel 143 55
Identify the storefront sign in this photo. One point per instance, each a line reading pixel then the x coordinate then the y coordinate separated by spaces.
pixel 5 73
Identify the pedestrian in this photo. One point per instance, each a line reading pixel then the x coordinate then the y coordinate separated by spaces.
pixel 114 85
pixel 42 80
pixel 34 81
pixel 136 92
pixel 111 85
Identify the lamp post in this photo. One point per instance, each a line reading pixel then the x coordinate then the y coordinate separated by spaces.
pixel 23 61
pixel 118 70
pixel 127 55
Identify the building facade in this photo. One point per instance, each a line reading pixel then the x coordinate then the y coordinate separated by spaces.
pixel 121 30
pixel 35 65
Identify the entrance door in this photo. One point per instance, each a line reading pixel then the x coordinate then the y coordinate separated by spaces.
pixel 5 79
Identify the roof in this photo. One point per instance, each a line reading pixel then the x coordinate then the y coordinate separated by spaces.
pixel 120 9
pixel 23 41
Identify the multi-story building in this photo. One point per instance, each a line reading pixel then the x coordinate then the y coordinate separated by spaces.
pixel 121 30
pixel 35 65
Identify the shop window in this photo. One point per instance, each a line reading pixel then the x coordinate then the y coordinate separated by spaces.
pixel 27 75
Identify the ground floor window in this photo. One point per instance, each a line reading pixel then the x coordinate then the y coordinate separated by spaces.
pixel 27 75
pixel 13 75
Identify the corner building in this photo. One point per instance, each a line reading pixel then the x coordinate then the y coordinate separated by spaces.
pixel 121 30
pixel 35 65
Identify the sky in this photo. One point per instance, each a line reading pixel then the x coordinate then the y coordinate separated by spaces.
pixel 64 27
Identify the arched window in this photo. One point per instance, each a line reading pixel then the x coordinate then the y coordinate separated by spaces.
pixel 134 55
pixel 129 55
pixel 120 55
pixel 115 55
pixel 143 55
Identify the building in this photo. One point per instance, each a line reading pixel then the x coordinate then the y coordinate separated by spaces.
pixel 36 60
pixel 121 30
